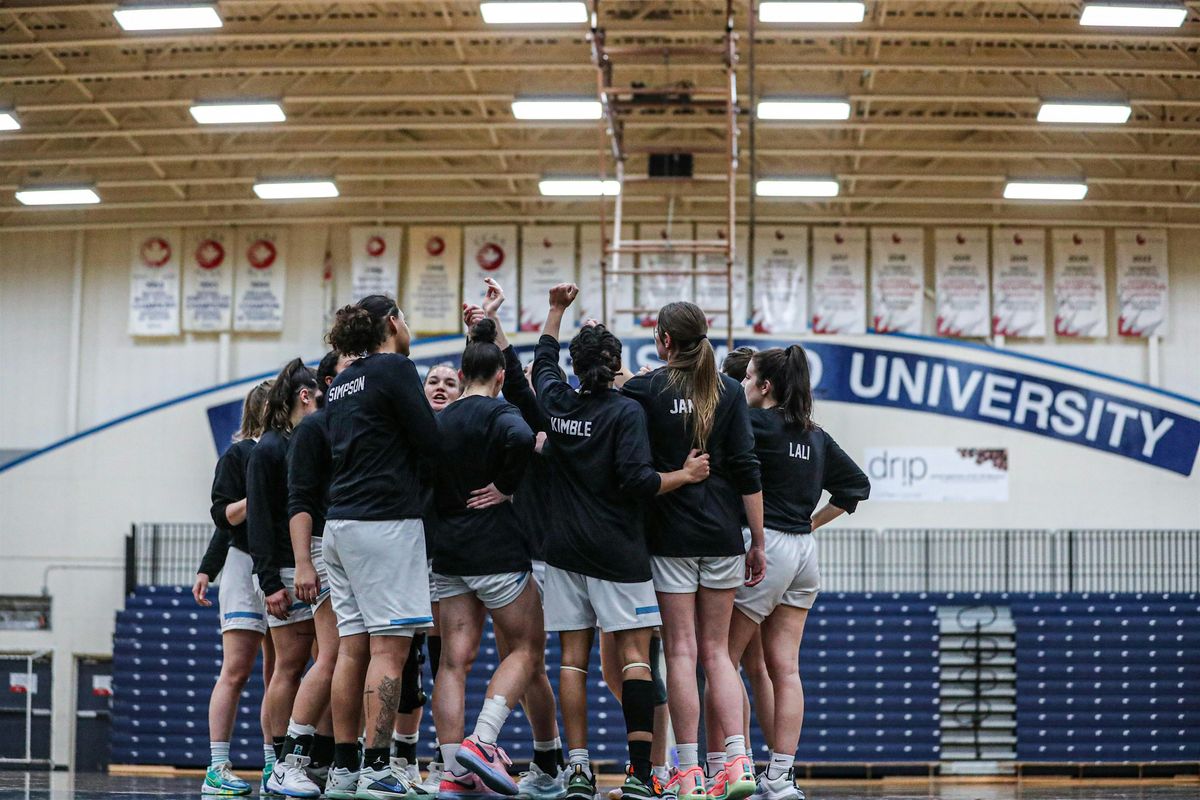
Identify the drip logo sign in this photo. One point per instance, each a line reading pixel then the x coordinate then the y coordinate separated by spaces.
pixel 210 254
pixel 938 474
pixel 435 245
pixel 376 246
pixel 261 254
pixel 156 252
pixel 490 257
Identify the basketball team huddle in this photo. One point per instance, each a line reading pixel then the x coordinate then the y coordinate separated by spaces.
pixel 369 519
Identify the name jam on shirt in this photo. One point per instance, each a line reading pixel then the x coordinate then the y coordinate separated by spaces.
pixel 800 451
pixel 349 387
pixel 682 406
pixel 571 427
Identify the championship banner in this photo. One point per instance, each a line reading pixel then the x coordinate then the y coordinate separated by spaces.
pixel 711 289
pixel 260 278
pixel 374 261
pixel 1080 296
pixel 490 251
pixel 1142 282
pixel 547 259
pixel 780 279
pixel 207 279
pixel 620 287
pixel 1019 282
pixel 154 284
pixel 432 301
pixel 898 279
pixel 655 291
pixel 961 263
pixel 839 280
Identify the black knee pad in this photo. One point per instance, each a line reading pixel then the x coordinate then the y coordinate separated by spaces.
pixel 434 643
pixel 412 693
pixel 637 703
pixel 660 682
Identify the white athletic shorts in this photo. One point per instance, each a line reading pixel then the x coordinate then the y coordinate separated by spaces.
pixel 298 610
pixel 539 576
pixel 241 606
pixel 686 575
pixel 433 588
pixel 576 602
pixel 494 591
pixel 317 550
pixel 793 577
pixel 377 576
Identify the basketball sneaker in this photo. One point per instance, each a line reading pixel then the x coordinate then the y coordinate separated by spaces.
pixel 464 787
pixel 782 788
pixel 342 784
pixel 489 762
pixel 537 785
pixel 221 781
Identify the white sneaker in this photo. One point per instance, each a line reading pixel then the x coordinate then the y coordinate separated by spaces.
pixel 387 784
pixel 411 771
pixel 341 784
pixel 782 788
pixel 537 785
pixel 288 778
pixel 317 775
pixel 433 778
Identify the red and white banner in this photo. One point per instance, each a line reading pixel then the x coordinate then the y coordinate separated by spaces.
pixel 898 279
pixel 432 301
pixel 620 287
pixel 1019 282
pixel 374 261
pixel 839 280
pixel 781 279
pixel 259 279
pixel 1142 282
pixel 154 283
pixel 1080 293
pixel 490 251
pixel 208 279
pixel 655 291
pixel 711 291
pixel 547 259
pixel 961 281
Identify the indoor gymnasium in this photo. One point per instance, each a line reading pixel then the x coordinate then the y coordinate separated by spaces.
pixel 605 400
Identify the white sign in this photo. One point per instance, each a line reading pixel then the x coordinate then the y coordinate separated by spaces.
pixel 781 279
pixel 620 287
pixel 432 301
pixel 490 251
pixel 655 291
pixel 374 262
pixel 23 682
pixel 937 474
pixel 547 259
pixel 1019 282
pixel 208 279
pixel 963 302
pixel 154 284
pixel 839 280
pixel 711 290
pixel 898 279
pixel 1080 296
pixel 1142 282
pixel 260 278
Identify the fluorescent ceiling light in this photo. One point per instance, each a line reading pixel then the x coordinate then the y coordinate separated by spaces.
pixel 295 190
pixel 1034 190
pixel 561 108
pixel 60 196
pixel 547 12
pixel 236 113
pixel 797 187
pixel 8 121
pixel 168 17
pixel 803 11
pixel 1100 113
pixel 578 187
pixel 803 109
pixel 1133 15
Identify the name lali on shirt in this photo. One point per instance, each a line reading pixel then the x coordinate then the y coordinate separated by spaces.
pixel 800 451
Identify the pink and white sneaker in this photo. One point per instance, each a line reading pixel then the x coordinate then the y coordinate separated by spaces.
pixel 489 762
pixel 466 787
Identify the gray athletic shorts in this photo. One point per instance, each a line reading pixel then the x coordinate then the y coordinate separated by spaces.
pixel 377 576
pixel 539 575
pixel 240 603
pixel 433 590
pixel 793 577
pixel 317 550
pixel 576 602
pixel 494 591
pixel 298 610
pixel 686 575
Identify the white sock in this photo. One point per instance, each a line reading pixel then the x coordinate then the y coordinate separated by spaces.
pixel 449 762
pixel 295 729
pixel 578 756
pixel 406 738
pixel 662 772
pixel 219 753
pixel 558 743
pixel 545 747
pixel 779 766
pixel 735 746
pixel 714 762
pixel 268 755
pixel 491 719
pixel 689 756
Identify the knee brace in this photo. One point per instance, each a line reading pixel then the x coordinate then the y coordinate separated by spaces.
pixel 656 672
pixel 412 693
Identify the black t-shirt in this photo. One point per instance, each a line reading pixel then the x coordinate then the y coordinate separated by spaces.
pixel 484 440
pixel 531 499
pixel 601 475
pixel 309 465
pixel 379 425
pixel 266 510
pixel 229 486
pixel 700 519
pixel 796 466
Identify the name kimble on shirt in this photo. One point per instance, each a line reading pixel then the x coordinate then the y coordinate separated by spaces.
pixel 571 427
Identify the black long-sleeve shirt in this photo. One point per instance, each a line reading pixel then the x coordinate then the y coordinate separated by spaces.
pixel 602 478
pixel 796 466
pixel 380 425
pixel 266 511
pixel 308 468
pixel 229 486
pixel 532 497
pixel 214 557
pixel 700 519
pixel 484 440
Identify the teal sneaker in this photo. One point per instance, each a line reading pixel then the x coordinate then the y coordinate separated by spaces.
pixel 221 782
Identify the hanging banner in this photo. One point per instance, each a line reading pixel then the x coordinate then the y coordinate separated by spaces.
pixel 207 279
pixel 1142 282
pixel 1019 282
pixel 655 291
pixel 374 261
pixel 711 290
pixel 260 278
pixel 154 284
pixel 839 280
pixel 490 251
pixel 1080 296
pixel 620 287
pixel 898 279
pixel 432 300
pixel 781 279
pixel 961 281
pixel 547 259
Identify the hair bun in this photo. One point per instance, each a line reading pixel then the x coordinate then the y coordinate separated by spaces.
pixel 483 331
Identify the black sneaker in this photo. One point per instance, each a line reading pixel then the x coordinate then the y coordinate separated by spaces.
pixel 634 789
